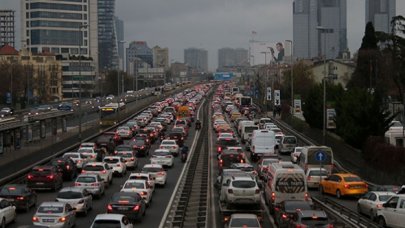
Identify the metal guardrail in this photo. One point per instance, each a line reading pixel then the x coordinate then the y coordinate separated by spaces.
pixel 19 176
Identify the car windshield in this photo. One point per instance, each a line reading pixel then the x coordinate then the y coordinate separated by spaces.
pixel 124 198
pixel 123 148
pixel 290 140
pixel 12 190
pixel 228 142
pixel 93 168
pixel 125 155
pixel 133 177
pixel 86 179
pixel 244 222
pixel 352 179
pixel 106 224
pixel 168 143
pixel 85 150
pixel 244 184
pixel 294 205
pixel 151 169
pixel 70 195
pixel 41 171
pixel 50 209
pixel 71 156
pixel 134 185
pixel 384 198
pixel 314 221
pixel 161 153
pixel 111 160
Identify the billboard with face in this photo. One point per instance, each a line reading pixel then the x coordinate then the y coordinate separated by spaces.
pixel 266 52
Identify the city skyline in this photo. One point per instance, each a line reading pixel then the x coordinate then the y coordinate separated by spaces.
pixel 212 25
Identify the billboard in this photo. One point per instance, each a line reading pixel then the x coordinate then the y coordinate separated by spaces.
pixel 223 76
pixel 275 52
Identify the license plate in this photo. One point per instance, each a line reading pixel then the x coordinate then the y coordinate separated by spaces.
pixel 40 183
pixel 122 208
pixel 48 220
pixel 259 155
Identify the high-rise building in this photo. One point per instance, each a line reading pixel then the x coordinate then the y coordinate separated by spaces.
pixel 60 27
pixel 160 57
pixel 196 58
pixel 310 42
pixel 139 50
pixel 229 57
pixel 119 27
pixel 7 28
pixel 107 36
pixel 380 13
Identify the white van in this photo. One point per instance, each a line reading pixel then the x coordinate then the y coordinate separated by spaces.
pixel 287 144
pixel 284 181
pixel 264 121
pixel 263 144
pixel 244 123
pixel 247 131
pixel 316 157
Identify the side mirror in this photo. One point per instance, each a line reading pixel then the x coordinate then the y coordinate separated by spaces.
pixel 260 184
pixel 385 204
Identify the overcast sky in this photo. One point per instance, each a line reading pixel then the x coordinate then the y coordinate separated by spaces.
pixel 212 24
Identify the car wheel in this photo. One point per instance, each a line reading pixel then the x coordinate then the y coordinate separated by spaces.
pixel 338 194
pixel 381 222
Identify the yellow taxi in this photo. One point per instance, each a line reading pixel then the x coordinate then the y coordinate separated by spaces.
pixel 343 184
pixel 235 115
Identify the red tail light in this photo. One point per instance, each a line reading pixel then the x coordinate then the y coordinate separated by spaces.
pixel 50 176
pixel 132 159
pixel 307 197
pixel 62 219
pixel 118 165
pixel 257 191
pixel 136 208
pixel 167 156
pixel 35 219
pixel 309 178
pixel 95 184
pixel 83 171
pixel 77 184
pixel 20 198
pixel 144 193
pixel 347 186
pixel 230 191
pixel 30 176
pixel 161 173
pixel 67 167
pixel 109 208
pixel 104 171
pixel 273 196
pixel 219 149
pixel 330 225
pixel 284 216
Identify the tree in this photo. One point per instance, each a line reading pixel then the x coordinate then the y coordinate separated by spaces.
pixel 303 81
pixel 360 114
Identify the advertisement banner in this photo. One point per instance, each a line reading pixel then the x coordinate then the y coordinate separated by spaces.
pixel 297 106
pixel 277 97
pixel 268 94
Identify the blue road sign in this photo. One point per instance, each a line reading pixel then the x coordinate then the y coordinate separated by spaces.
pixel 320 156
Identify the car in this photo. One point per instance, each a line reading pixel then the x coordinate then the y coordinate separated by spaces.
pixel 20 195
pixel 295 155
pixel 170 145
pixel 140 147
pixel 162 157
pixel 141 187
pixel 66 166
pixel 44 177
pixel 287 209
pixel 225 135
pixel 180 130
pixel 307 218
pixel 228 157
pixel 65 106
pixel 7 212
pixel 143 176
pixel 141 136
pixel 111 220
pixel 77 158
pixel 343 184
pixel 123 147
pixel 88 152
pixel 6 111
pixel 392 212
pixel 100 168
pixel 109 140
pixel 55 214
pixel 117 164
pixel 226 173
pixel 130 159
pixel 238 220
pixel 93 183
pixel 124 132
pixel 157 172
pixel 223 143
pixel 77 197
pixel 371 202
pixel 314 176
pixel 88 144
pixel 242 190
pixel 262 166
pixel 178 136
pixel 130 204
pixel 287 144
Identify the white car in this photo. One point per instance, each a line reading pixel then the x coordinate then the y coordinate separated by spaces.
pixel 77 197
pixel 7 212
pixel 88 152
pixel 92 183
pixel 242 190
pixel 170 145
pixel 225 135
pixel 55 214
pixel 239 220
pixel 162 157
pixel 139 186
pixel 88 144
pixel 111 220
pixel 124 132
pixel 296 154
pixel 129 158
pixel 371 202
pixel 100 168
pixel 157 172
pixel 143 176
pixel 117 164
pixel 156 125
pixel 77 158
pixel 314 176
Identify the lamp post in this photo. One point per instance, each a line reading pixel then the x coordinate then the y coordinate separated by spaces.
pixel 324 30
pixel 265 82
pixel 292 77
pixel 80 79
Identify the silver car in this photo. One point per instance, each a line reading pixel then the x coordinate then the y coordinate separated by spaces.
pixel 55 215
pixel 93 183
pixel 372 201
pixel 77 197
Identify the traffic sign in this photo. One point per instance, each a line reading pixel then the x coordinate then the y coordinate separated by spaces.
pixel 320 156
pixel 277 96
pixel 268 93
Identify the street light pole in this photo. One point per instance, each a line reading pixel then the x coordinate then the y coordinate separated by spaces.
pixel 292 77
pixel 80 80
pixel 324 31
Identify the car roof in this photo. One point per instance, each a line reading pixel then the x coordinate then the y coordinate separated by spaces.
pixel 152 166
pixel 135 180
pixel 346 175
pixel 52 204
pixel 109 216
pixel 311 213
pixel 242 165
pixel 71 189
pixel 240 215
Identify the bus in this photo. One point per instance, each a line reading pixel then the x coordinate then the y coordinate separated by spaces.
pixel 111 114
pixel 316 157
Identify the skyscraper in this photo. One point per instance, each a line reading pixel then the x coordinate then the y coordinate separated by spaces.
pixel 107 36
pixel 56 27
pixel 7 27
pixel 380 13
pixel 309 42
pixel 119 27
pixel 196 58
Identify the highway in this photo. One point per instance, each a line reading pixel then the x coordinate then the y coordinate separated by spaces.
pixel 153 214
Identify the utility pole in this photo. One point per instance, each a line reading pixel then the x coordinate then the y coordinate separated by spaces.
pixel 80 80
